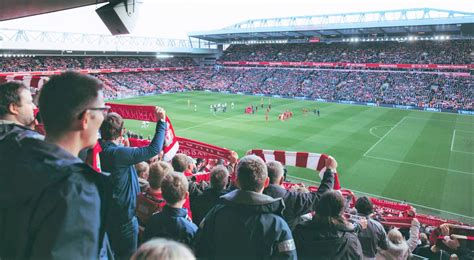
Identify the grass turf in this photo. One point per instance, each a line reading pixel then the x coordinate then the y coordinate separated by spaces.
pixel 424 158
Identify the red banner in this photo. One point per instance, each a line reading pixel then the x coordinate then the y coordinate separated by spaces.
pixel 354 65
pixel 192 148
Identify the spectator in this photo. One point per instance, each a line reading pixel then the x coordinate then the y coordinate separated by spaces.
pixel 16 106
pixel 173 221
pixel 398 247
pixel 374 235
pixel 247 224
pixel 210 197
pixel 47 185
pixel 119 161
pixel 296 203
pixel 163 249
pixel 328 235
pixel 143 169
pixel 151 201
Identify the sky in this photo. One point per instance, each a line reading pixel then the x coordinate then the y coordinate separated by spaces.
pixel 175 18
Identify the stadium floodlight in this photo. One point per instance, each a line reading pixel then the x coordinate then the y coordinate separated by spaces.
pixel 442 37
pixel 436 37
pixel 411 38
pixel 447 37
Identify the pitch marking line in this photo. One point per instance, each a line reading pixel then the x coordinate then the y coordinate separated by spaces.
pixel 452 142
pixel 441 120
pixel 385 135
pixel 375 127
pixel 378 196
pixel 417 164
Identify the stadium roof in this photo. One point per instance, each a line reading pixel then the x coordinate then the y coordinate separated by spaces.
pixel 335 27
pixel 12 9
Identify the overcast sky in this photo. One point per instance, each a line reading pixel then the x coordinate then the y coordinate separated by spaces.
pixel 175 18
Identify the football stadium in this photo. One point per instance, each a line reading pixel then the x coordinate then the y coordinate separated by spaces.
pixel 330 136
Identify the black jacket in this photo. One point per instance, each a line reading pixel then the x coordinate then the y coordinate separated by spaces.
pixel 202 203
pixel 50 202
pixel 314 241
pixel 247 225
pixel 297 203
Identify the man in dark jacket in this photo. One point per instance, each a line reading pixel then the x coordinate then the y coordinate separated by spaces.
pixel 247 224
pixel 16 110
pixel 210 197
pixel 296 203
pixel 328 236
pixel 374 235
pixel 50 201
pixel 119 161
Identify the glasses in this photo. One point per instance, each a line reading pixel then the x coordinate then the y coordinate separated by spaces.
pixel 104 109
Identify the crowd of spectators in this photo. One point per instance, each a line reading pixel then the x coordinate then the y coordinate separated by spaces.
pixel 419 52
pixel 399 88
pixel 49 63
pixel 245 211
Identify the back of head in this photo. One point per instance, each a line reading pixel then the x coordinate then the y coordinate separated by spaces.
pixel 331 204
pixel 329 209
pixel 9 94
pixel 251 173
pixel 395 236
pixel 112 126
pixel 275 171
pixel 364 206
pixel 174 187
pixel 180 162
pixel 162 249
pixel 142 169
pixel 158 170
pixel 219 177
pixel 64 98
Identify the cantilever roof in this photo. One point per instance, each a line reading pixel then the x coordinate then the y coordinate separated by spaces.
pixel 425 21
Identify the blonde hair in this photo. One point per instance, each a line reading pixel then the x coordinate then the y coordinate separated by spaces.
pixel 395 236
pixel 160 248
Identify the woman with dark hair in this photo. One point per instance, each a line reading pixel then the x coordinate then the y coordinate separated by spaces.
pixel 328 235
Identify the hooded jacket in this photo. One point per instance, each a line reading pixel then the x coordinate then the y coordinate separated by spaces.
pixel 314 241
pixel 246 225
pixel 50 201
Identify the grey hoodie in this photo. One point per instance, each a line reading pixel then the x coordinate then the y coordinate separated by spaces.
pixel 403 250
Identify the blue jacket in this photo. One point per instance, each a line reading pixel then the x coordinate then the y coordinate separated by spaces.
pixel 246 225
pixel 50 203
pixel 171 223
pixel 123 185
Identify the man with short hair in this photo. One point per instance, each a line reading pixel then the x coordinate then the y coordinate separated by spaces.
pixel 246 224
pixel 180 162
pixel 374 235
pixel 296 203
pixel 16 105
pixel 119 161
pixel 210 197
pixel 16 117
pixel 51 202
pixel 143 170
pixel 173 221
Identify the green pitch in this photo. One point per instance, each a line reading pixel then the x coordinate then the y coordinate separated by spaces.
pixel 424 158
